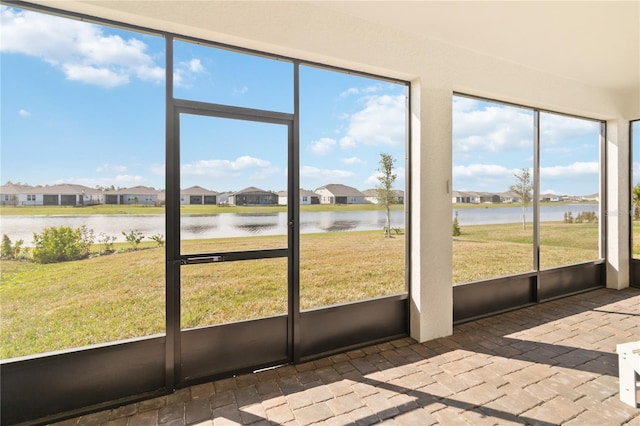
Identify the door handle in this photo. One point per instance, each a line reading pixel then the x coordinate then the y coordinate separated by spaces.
pixel 201 259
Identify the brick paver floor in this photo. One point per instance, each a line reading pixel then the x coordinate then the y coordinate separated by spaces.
pixel 549 364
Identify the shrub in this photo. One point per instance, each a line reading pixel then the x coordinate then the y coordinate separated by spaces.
pixel 456 227
pixel 62 244
pixel 568 217
pixel 6 249
pixel 587 217
pixel 158 238
pixel 10 250
pixel 106 241
pixel 134 238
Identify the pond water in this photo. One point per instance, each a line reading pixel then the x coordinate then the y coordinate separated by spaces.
pixel 242 224
pixel 489 216
pixel 202 226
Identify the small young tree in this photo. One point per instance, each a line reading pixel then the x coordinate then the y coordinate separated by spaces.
pixel 384 190
pixel 522 188
pixel 456 227
pixel 636 201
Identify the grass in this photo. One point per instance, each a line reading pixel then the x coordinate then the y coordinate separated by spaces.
pixel 488 251
pixel 118 296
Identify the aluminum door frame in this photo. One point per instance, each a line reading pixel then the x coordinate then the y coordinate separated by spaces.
pixel 199 342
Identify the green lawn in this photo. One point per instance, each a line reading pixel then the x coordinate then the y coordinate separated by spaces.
pixel 101 299
pixel 488 251
pixel 119 296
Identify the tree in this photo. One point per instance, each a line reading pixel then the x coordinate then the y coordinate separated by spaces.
pixel 636 201
pixel 384 190
pixel 523 188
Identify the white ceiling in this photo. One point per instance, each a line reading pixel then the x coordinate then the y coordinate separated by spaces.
pixel 596 43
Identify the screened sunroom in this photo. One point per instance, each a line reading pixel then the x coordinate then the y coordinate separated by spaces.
pixel 497 144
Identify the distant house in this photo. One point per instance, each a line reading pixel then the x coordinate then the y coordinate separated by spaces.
pixel 198 195
pixel 460 197
pixel 551 197
pixel 223 198
pixel 592 197
pixel 253 196
pixel 10 194
pixel 340 194
pixel 306 197
pixel 371 196
pixel 509 197
pixel 473 197
pixel 135 195
pixel 50 195
pixel 488 197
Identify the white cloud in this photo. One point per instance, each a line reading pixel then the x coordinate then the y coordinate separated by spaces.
pixel 79 49
pixel 354 91
pixel 92 75
pixel 24 113
pixel 111 168
pixel 480 126
pixel 373 180
pixel 572 178
pixel 216 168
pixel 347 142
pixel 571 170
pixel 311 172
pixel 195 66
pixel 349 92
pixel 557 129
pixel 483 171
pixel 495 128
pixel 184 72
pixel 322 146
pixel 352 160
pixel 380 123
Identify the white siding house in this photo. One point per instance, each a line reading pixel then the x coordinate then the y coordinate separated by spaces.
pixel 198 195
pixel 306 197
pixel 135 195
pixel 335 193
pixel 50 195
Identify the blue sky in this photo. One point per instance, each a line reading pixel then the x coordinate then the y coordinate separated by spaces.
pixel 493 141
pixel 85 104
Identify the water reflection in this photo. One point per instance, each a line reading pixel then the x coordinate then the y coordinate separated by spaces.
pixel 256 228
pixel 221 225
pixel 341 225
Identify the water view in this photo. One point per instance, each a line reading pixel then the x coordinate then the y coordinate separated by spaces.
pixel 241 224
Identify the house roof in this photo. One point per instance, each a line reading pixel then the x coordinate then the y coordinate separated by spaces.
pixel 197 190
pixel 135 190
pixel 303 192
pixel 252 190
pixel 14 189
pixel 339 190
pixel 63 188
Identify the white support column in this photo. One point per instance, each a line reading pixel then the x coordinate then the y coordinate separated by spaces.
pixel 618 204
pixel 431 240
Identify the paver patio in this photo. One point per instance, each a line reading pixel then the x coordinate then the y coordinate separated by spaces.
pixel 549 364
